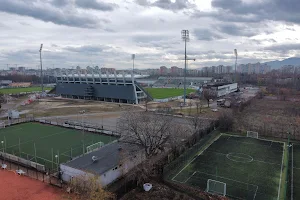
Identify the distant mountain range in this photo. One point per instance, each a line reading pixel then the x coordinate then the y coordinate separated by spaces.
pixel 289 61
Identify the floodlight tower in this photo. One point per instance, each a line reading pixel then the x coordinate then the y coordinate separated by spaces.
pixel 133 57
pixel 236 55
pixel 186 38
pixel 42 84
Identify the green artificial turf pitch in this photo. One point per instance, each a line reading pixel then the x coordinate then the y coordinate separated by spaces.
pixel 65 142
pixel 296 171
pixel 251 168
pixel 163 93
pixel 19 90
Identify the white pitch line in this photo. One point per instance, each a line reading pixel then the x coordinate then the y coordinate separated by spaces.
pixel 196 157
pixel 281 172
pixel 190 177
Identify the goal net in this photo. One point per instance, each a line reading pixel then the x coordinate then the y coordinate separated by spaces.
pixel 2 125
pixel 94 147
pixel 252 134
pixel 216 187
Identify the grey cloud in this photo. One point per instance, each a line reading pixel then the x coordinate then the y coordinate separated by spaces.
pixel 167 4
pixel 148 38
pixel 283 48
pixel 236 30
pixel 206 34
pixel 48 14
pixel 275 10
pixel 96 5
pixel 86 49
pixel 60 3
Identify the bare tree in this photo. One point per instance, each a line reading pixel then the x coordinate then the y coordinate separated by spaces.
pixel 199 106
pixel 146 129
pixel 226 121
pixel 87 187
pixel 196 123
pixel 208 94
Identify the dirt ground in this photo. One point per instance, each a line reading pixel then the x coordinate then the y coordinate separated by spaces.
pixel 57 106
pixel 15 187
pixel 271 117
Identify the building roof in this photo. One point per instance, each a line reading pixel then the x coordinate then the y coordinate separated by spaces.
pixel 108 157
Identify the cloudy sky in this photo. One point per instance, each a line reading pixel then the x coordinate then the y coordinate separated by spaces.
pixel 107 32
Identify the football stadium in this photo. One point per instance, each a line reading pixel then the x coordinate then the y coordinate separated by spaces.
pixel 123 88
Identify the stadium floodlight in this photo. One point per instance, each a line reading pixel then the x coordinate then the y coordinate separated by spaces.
pixel 42 84
pixel 185 35
pixel 133 57
pixel 236 55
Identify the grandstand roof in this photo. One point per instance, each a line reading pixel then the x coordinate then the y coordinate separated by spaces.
pixel 108 157
pixel 187 78
pixel 102 75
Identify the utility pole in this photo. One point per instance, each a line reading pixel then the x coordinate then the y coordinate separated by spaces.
pixel 185 37
pixel 42 84
pixel 236 55
pixel 133 57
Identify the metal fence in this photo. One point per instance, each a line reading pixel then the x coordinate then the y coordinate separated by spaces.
pixel 183 154
pixel 31 172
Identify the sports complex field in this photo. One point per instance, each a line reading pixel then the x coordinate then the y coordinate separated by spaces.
pixel 251 168
pixel 40 142
pixel 20 90
pixel 163 93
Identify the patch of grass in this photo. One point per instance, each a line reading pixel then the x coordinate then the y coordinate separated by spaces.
pixel 163 93
pixel 20 90
pixel 20 140
pixel 250 168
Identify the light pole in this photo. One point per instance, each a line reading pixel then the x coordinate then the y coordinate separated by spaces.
pixel 186 38
pixel 133 57
pixel 42 84
pixel 56 158
pixel 2 142
pixel 236 55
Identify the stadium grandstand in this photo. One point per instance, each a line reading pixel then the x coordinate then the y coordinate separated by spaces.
pixel 119 88
pixel 178 82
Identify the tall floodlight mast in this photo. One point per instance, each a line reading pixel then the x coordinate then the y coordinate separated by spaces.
pixel 236 55
pixel 42 84
pixel 186 38
pixel 133 57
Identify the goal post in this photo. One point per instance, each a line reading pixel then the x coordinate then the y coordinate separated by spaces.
pixel 252 134
pixel 2 125
pixel 94 147
pixel 216 187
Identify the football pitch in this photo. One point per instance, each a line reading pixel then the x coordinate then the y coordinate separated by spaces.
pixel 163 93
pixel 19 90
pixel 47 144
pixel 251 168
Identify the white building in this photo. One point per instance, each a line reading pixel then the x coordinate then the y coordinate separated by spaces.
pixel 223 89
pixel 108 163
